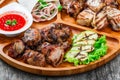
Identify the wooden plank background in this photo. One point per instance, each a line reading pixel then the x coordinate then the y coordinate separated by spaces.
pixel 110 71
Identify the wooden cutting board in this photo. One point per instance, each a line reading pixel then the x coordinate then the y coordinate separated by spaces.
pixel 113 42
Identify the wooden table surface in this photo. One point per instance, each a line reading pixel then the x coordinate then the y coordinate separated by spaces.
pixel 110 71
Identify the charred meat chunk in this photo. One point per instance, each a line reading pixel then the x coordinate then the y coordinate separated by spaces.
pixel 85 17
pixel 100 20
pixel 16 48
pixel 34 58
pixel 32 37
pixel 95 5
pixel 113 15
pixel 54 55
pixel 56 33
pixel 72 7
pixel 60 35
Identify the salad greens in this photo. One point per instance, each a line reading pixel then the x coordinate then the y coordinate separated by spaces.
pixel 99 49
pixel 43 4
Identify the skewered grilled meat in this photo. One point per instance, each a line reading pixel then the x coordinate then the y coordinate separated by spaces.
pixel 95 5
pixel 32 37
pixel 100 20
pixel 54 55
pixel 85 17
pixel 34 58
pixel 16 48
pixel 72 7
pixel 112 3
pixel 113 15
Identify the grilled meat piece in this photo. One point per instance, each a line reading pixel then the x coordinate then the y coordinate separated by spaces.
pixel 100 20
pixel 95 5
pixel 113 15
pixel 72 7
pixel 85 17
pixel 56 33
pixel 112 3
pixel 54 55
pixel 34 58
pixel 32 37
pixel 16 48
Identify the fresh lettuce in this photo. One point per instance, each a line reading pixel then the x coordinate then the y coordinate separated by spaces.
pixel 100 49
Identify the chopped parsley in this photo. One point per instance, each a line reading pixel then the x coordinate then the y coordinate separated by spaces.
pixel 11 22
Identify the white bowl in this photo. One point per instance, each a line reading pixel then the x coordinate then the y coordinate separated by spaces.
pixel 18 9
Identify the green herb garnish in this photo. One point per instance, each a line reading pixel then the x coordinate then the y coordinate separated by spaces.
pixel 60 8
pixel 42 4
pixel 8 22
pixel 11 22
pixel 14 22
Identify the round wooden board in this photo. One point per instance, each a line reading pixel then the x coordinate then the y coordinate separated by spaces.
pixel 113 43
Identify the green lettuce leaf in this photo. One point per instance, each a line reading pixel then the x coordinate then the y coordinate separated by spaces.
pixel 100 49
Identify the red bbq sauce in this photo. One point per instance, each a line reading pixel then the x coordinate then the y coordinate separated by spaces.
pixel 11 22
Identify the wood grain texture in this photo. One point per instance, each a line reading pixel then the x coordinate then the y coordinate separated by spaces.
pixel 110 71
